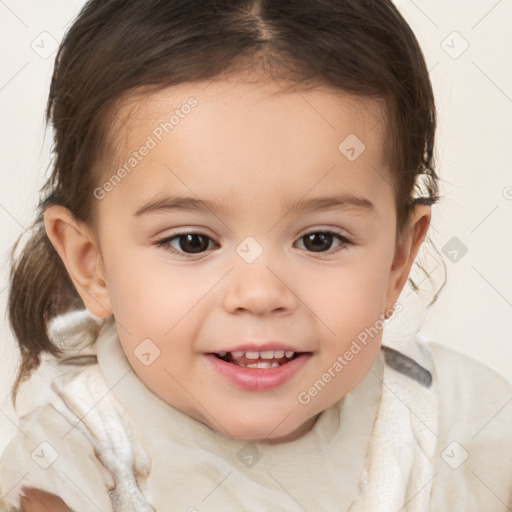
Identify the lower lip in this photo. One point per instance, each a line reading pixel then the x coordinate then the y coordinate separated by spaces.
pixel 258 378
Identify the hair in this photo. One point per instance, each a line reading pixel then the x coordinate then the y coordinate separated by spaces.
pixel 115 48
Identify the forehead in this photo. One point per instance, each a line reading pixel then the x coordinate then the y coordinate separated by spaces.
pixel 239 135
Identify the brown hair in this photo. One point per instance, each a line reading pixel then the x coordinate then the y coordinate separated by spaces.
pixel 117 47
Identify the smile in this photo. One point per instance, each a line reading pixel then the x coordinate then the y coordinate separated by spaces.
pixel 257 370
pixel 258 359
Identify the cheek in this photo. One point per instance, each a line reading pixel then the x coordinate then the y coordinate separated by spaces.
pixel 351 294
pixel 142 286
pixel 348 303
pixel 155 300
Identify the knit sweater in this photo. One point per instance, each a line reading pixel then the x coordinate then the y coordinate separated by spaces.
pixel 427 429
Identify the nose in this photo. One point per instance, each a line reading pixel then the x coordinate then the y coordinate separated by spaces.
pixel 259 289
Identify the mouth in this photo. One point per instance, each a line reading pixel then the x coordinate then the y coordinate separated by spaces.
pixel 258 371
pixel 265 359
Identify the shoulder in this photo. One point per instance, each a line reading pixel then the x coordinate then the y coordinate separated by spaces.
pixel 50 454
pixel 475 402
pixel 469 392
pixel 471 387
pixel 474 448
pixel 452 373
pixel 46 451
pixel 464 408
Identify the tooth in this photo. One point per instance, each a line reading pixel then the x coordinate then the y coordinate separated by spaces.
pixel 261 364
pixel 264 364
pixel 278 354
pixel 252 355
pixel 289 353
pixel 267 354
pixel 222 354
pixel 237 353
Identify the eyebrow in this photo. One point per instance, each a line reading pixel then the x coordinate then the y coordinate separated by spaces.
pixel 182 203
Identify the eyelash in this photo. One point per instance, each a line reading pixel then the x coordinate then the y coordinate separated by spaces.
pixel 164 243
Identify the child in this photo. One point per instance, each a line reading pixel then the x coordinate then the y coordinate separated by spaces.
pixel 295 140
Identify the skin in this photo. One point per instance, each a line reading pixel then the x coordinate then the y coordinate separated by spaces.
pixel 40 501
pixel 253 149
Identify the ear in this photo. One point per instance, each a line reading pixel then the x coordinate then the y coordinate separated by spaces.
pixel 406 250
pixel 80 253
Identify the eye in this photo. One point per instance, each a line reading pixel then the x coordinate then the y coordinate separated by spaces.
pixel 321 241
pixel 188 243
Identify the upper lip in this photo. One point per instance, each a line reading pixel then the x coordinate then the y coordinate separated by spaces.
pixel 259 347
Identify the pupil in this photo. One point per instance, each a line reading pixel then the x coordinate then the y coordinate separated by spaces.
pixel 191 243
pixel 321 241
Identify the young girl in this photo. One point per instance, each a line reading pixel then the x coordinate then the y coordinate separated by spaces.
pixel 239 192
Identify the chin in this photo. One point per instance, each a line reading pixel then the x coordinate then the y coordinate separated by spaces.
pixel 251 434
pixel 265 432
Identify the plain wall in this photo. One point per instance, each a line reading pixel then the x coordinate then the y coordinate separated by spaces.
pixel 474 150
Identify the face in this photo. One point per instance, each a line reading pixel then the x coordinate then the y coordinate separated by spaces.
pixel 253 225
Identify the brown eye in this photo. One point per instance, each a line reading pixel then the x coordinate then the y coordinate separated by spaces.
pixel 193 243
pixel 187 244
pixel 318 242
pixel 322 241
